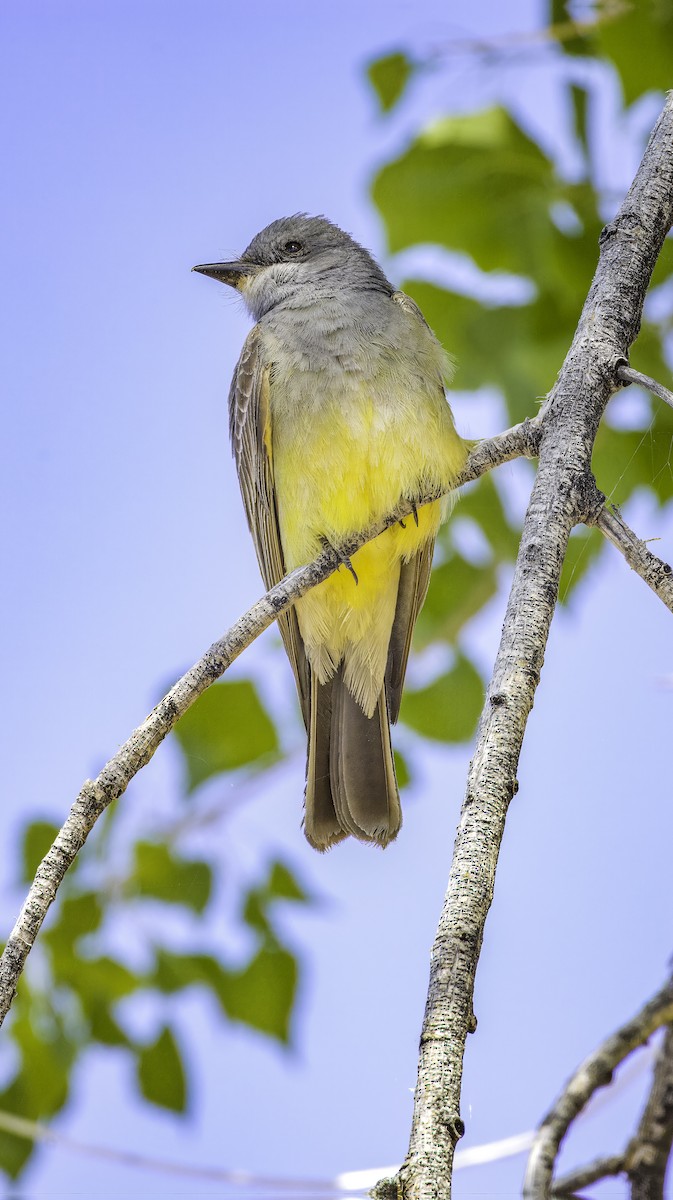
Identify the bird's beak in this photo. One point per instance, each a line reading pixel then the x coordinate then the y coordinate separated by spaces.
pixel 233 273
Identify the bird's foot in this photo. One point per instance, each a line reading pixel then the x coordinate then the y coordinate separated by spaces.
pixel 414 511
pixel 344 560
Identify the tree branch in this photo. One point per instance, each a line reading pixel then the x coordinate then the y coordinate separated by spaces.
pixel 627 375
pixel 648 1154
pixel 629 247
pixel 595 1072
pixel 521 441
pixel 35 1131
pixel 139 748
pixel 657 574
pixel 602 1168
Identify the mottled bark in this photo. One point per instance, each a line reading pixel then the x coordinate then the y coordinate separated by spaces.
pixel 563 495
pixel 648 1155
pixel 656 573
pixel 595 1072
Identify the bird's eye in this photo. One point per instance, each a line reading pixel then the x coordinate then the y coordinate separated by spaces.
pixel 293 247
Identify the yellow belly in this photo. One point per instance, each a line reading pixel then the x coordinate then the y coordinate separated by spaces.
pixel 337 468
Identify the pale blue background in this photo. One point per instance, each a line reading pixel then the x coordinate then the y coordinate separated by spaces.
pixel 139 138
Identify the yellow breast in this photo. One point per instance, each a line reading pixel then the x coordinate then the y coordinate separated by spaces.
pixel 341 462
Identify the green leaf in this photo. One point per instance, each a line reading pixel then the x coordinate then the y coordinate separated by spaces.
pixel 280 884
pixel 227 728
pixel 104 1029
pixel 160 874
pixel 448 709
pixel 454 165
pixel 77 917
pixel 481 501
pixel 14 1151
pixel 639 44
pixel 518 350
pixel 389 77
pixel 262 995
pixel 37 838
pixel 561 18
pixel 161 1075
pixel 255 914
pixel 458 589
pixel 104 980
pixel 636 37
pixel 40 1087
pixel 174 972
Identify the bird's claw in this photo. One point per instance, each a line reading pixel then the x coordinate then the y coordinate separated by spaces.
pixel 414 512
pixel 344 560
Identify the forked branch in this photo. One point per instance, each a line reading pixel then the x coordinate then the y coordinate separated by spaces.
pixel 563 496
pixel 595 1072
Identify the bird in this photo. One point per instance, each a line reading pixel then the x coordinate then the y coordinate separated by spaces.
pixel 337 413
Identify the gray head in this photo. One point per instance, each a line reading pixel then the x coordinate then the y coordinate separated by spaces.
pixel 297 261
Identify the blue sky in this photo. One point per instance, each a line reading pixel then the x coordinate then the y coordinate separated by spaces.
pixel 141 138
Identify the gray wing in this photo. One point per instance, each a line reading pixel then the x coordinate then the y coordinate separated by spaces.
pixel 250 432
pixel 414 581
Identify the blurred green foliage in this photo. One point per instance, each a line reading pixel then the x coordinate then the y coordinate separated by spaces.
pixel 389 77
pixel 447 710
pixel 228 728
pixel 636 38
pixel 73 994
pixel 479 186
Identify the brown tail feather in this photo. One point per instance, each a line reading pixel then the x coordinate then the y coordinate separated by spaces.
pixel 350 779
pixel 321 825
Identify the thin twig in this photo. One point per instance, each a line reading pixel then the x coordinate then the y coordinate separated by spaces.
pixel 561 31
pixel 139 748
pixel 602 1168
pixel 34 1131
pixel 656 573
pixel 345 1183
pixel 649 1151
pixel 595 1072
pixel 521 441
pixel 628 375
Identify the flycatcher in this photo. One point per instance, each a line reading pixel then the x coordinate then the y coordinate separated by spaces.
pixel 337 412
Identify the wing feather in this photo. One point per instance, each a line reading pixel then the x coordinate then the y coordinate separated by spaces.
pixel 414 576
pixel 413 586
pixel 250 432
